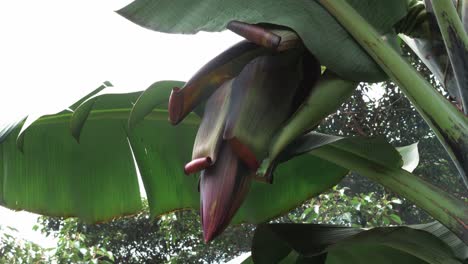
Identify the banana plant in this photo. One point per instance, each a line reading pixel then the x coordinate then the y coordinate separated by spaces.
pixel 243 122
pixel 355 40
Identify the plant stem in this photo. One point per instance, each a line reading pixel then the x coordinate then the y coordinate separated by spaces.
pixel 456 43
pixel 463 13
pixel 450 125
pixel 324 99
pixel 447 209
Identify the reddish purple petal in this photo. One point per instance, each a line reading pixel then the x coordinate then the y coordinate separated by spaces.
pixel 223 188
pixel 255 33
pixel 197 165
pixel 261 101
pixel 210 77
pixel 210 132
pixel 176 105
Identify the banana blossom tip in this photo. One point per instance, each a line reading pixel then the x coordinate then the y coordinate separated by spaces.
pixel 223 188
pixel 197 165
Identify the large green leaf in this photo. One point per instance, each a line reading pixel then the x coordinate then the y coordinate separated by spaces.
pixel 96 179
pixel 332 244
pixel 273 242
pixel 380 162
pixel 295 181
pixel 459 248
pixel 161 151
pixel 376 149
pixel 56 176
pixel 321 33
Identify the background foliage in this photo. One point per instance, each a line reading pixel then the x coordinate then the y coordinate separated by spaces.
pixel 177 238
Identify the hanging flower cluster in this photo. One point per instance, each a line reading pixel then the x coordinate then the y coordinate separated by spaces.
pixel 247 94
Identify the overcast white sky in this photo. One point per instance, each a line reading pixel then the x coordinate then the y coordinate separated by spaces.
pixel 53 51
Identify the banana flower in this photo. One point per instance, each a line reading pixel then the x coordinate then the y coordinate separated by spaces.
pixel 248 93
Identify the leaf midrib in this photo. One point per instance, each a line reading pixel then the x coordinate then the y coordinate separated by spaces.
pixel 117 113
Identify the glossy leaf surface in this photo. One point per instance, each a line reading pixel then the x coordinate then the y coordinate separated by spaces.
pixel 327 244
pixel 94 180
pixel 335 48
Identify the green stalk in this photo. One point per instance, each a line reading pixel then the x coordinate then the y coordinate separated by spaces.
pixel 456 42
pixel 449 125
pixel 463 13
pixel 327 96
pixel 448 17
pixel 447 209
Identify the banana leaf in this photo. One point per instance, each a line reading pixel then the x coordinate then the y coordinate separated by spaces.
pixel 327 244
pixel 321 33
pixel 379 161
